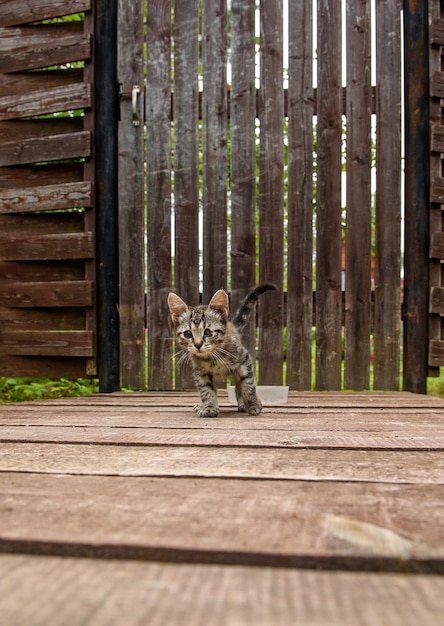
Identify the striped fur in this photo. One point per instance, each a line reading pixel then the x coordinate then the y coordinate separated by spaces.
pixel 211 343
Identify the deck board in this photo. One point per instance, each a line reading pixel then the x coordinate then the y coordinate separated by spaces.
pixel 338 494
pixel 66 591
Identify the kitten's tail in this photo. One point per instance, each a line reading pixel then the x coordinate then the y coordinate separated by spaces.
pixel 243 313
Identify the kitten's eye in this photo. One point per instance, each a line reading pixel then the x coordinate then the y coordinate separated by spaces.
pixel 207 332
pixel 188 334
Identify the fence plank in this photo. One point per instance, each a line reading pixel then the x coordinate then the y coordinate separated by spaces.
pixel 46 198
pixel 63 49
pixel 214 148
pixel 158 119
pixel 328 209
pixel 271 192
pixel 78 343
pixel 21 11
pixel 300 196
pixel 47 247
pixel 50 148
pixel 243 157
pixel 131 195
pixel 388 199
pixel 186 159
pixel 66 293
pixel 43 101
pixel 436 221
pixel 416 262
pixel 358 236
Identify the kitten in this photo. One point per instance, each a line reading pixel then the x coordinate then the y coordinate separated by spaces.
pixel 213 345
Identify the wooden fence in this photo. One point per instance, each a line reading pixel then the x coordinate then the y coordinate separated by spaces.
pixel 273 153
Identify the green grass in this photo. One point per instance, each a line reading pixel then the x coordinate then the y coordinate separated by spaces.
pixel 435 386
pixel 23 389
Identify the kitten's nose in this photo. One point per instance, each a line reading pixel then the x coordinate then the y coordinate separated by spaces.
pixel 198 345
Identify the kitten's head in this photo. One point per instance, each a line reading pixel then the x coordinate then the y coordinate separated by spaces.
pixel 200 330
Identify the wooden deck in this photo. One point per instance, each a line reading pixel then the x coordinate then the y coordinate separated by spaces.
pixel 128 509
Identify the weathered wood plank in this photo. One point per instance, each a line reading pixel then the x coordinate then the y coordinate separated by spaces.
pixel 436 352
pixel 51 148
pixel 243 158
pixel 42 319
pixel 186 160
pixel 38 49
pixel 404 467
pixel 296 523
pixel 42 174
pixel 271 192
pixel 381 402
pixel 214 147
pixel 328 198
pixel 358 221
pixel 43 101
pixel 437 190
pixel 300 196
pixel 46 197
pixel 38 367
pixel 47 247
pixel 387 318
pixel 437 84
pixel 437 138
pixel 14 12
pixel 41 272
pixel 66 293
pixel 232 435
pixel 22 82
pixel 437 245
pixel 437 300
pixel 158 121
pixel 77 343
pixel 81 591
pixel 436 31
pixel 131 194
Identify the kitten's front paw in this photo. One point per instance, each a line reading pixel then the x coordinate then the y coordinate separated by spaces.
pixel 255 409
pixel 206 411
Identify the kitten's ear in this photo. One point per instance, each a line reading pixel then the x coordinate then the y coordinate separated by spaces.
pixel 177 306
pixel 219 302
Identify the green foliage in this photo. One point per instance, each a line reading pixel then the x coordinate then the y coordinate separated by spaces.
pixel 22 389
pixel 435 386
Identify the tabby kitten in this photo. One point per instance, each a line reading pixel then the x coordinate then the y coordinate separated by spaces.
pixel 213 345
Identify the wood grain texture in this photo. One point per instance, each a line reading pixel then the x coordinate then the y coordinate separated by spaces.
pixel 328 198
pixel 300 197
pixel 358 199
pixel 336 499
pixel 158 120
pixel 56 590
pixel 387 318
pixel 14 12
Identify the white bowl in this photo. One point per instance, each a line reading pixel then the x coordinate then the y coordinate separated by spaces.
pixel 268 394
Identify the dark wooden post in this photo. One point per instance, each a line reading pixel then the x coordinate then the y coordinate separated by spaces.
pixel 107 115
pixel 416 195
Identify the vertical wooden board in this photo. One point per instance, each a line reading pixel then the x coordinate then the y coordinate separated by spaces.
pixel 436 278
pixel 186 159
pixel 388 197
pixel 417 179
pixel 300 195
pixel 328 207
pixel 131 194
pixel 89 167
pixel 158 120
pixel 358 209
pixel 271 193
pixel 243 156
pixel 214 149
